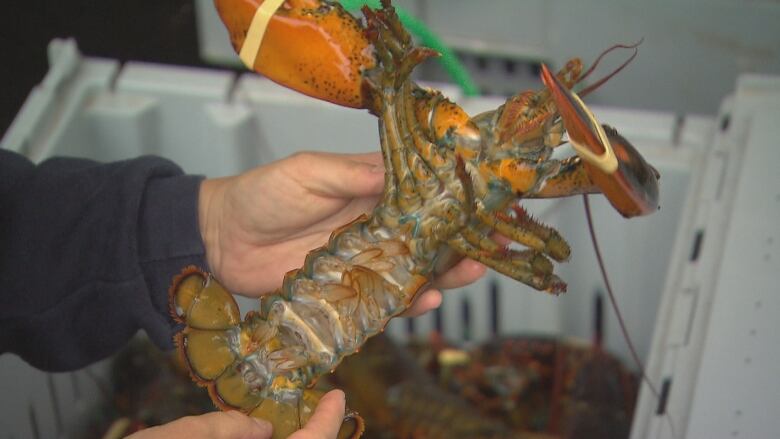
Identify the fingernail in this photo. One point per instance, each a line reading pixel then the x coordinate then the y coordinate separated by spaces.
pixel 335 393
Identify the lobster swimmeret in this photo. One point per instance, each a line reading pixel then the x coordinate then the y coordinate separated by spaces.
pixel 450 181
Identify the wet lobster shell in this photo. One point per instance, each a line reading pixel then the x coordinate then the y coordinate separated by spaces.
pixel 451 181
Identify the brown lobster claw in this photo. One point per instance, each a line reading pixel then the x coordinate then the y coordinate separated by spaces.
pixel 615 166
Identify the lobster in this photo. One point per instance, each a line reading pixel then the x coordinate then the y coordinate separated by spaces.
pixel 400 398
pixel 563 387
pixel 451 180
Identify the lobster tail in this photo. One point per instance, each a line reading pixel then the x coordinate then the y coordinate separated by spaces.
pixel 221 352
pixel 210 343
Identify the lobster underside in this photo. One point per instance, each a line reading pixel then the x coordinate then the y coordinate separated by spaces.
pixel 451 180
pixel 345 293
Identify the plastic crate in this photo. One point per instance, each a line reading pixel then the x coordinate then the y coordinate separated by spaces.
pixel 716 349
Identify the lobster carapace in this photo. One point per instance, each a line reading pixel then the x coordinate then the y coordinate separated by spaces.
pixel 451 180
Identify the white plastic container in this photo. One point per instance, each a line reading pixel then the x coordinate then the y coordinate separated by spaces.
pixel 715 354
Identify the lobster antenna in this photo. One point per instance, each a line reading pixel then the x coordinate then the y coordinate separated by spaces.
pixel 601 81
pixel 613 302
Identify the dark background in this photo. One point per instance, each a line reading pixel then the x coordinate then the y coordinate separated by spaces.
pixel 141 30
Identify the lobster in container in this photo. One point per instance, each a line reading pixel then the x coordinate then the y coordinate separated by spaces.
pixel 451 181
pixel 400 399
pixel 561 387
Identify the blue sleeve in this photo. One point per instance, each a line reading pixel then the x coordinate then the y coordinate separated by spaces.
pixel 87 253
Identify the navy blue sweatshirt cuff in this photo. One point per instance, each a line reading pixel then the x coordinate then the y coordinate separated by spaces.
pixel 168 240
pixel 87 252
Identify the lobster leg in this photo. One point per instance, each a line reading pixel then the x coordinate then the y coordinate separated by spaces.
pixel 537 237
pixel 524 230
pixel 414 183
pixel 529 267
pixel 407 198
pixel 462 189
pixel 572 178
pixel 407 175
pixel 413 166
pixel 525 121
pixel 440 162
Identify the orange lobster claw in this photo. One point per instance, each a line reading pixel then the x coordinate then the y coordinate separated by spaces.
pixel 310 46
pixel 615 166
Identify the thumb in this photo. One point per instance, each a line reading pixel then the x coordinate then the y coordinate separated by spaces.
pixel 215 425
pixel 327 418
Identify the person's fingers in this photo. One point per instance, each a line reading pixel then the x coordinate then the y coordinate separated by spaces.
pixel 463 273
pixel 327 418
pixel 215 425
pixel 425 302
pixel 340 175
pixel 374 158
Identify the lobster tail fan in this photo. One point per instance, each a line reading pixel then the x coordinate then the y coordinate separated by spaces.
pixel 214 345
pixel 210 342
pixel 352 427
pixel 204 344
pixel 200 302
pixel 207 352
pixel 232 390
pixel 186 285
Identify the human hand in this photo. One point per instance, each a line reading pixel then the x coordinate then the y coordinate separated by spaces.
pixel 323 424
pixel 326 419
pixel 215 425
pixel 259 225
